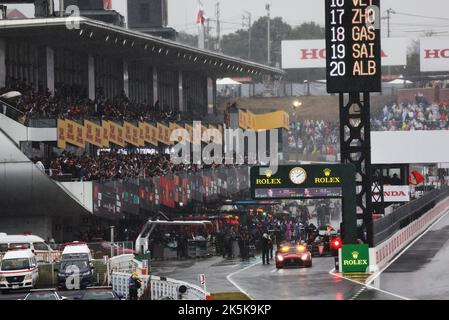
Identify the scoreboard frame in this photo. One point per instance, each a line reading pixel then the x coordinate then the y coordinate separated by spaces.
pixel 353 46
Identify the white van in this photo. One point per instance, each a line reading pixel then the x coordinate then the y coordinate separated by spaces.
pixel 76 250
pixel 18 270
pixel 34 243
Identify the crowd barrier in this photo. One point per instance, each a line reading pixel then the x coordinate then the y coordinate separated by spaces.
pixel 404 215
pixel 388 249
pixel 160 288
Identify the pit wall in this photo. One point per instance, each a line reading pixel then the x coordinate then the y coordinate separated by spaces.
pixel 383 253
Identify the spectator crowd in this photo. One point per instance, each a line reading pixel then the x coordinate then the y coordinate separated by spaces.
pixel 312 137
pixel 71 102
pixel 115 165
pixel 415 115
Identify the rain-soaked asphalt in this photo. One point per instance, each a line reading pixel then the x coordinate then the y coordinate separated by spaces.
pixel 421 272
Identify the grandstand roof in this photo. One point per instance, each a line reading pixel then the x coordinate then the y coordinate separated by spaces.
pixel 99 37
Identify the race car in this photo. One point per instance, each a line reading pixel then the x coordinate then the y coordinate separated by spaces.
pixel 293 255
pixel 324 242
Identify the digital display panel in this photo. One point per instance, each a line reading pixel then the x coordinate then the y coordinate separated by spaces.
pixel 353 50
pixel 298 193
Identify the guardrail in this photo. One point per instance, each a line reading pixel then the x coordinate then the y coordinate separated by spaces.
pixel 387 250
pixel 403 216
pixel 160 288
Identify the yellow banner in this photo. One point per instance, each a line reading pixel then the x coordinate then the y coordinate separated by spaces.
pixel 131 134
pixel 173 127
pixel 243 119
pixel 75 134
pixel 93 133
pixel 273 120
pixel 116 134
pixel 252 119
pixel 105 133
pixel 62 131
pixel 163 133
pixel 142 134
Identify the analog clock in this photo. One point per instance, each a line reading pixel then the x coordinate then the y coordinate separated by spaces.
pixel 298 175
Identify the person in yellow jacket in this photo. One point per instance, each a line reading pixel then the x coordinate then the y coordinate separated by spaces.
pixel 134 285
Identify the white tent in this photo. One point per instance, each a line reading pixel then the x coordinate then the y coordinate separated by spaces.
pixel 400 81
pixel 227 81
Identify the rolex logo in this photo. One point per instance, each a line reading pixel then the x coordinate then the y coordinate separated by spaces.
pixel 355 254
pixel 327 172
pixel 268 173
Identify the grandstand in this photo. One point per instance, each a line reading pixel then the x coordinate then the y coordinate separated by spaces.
pixel 87 75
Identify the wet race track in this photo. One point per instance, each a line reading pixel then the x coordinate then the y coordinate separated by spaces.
pixel 418 273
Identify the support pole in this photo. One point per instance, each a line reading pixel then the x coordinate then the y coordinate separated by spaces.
pixel 355 141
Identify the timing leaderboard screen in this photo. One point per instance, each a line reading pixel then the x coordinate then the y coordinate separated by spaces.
pixel 298 193
pixel 353 55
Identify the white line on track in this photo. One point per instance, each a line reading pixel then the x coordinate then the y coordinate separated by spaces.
pixel 274 270
pixel 358 293
pixel 331 272
pixel 377 274
pixel 229 276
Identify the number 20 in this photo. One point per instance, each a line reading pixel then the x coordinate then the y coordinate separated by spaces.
pixel 338 69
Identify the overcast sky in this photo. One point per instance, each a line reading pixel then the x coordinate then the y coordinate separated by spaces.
pixel 182 14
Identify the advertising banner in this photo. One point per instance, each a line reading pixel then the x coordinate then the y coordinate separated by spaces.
pixel 396 193
pixel 355 258
pixel 116 134
pixel 243 119
pixel 93 133
pixel 303 54
pixel 75 134
pixel 163 133
pixel 434 53
pixel 131 134
pixel 62 128
pixel 105 133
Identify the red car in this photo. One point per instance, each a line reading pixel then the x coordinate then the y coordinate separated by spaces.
pixel 293 255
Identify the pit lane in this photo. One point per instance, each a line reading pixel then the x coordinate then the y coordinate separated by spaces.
pixel 420 272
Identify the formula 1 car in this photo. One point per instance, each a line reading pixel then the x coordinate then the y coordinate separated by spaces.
pixel 324 241
pixel 293 255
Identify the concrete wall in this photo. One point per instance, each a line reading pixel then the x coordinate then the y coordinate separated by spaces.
pixel 81 191
pixel 37 225
pixel 18 132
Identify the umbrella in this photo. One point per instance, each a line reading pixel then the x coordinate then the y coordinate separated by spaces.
pixel 11 95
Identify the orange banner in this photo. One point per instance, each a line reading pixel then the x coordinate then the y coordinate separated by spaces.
pixel 93 133
pixel 62 128
pixel 75 134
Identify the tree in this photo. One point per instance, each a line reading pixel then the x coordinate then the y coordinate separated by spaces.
pixel 236 44
pixel 188 39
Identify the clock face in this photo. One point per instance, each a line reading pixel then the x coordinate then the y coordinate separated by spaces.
pixel 298 175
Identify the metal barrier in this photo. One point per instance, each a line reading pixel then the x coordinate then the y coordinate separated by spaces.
pixel 384 228
pixel 160 287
